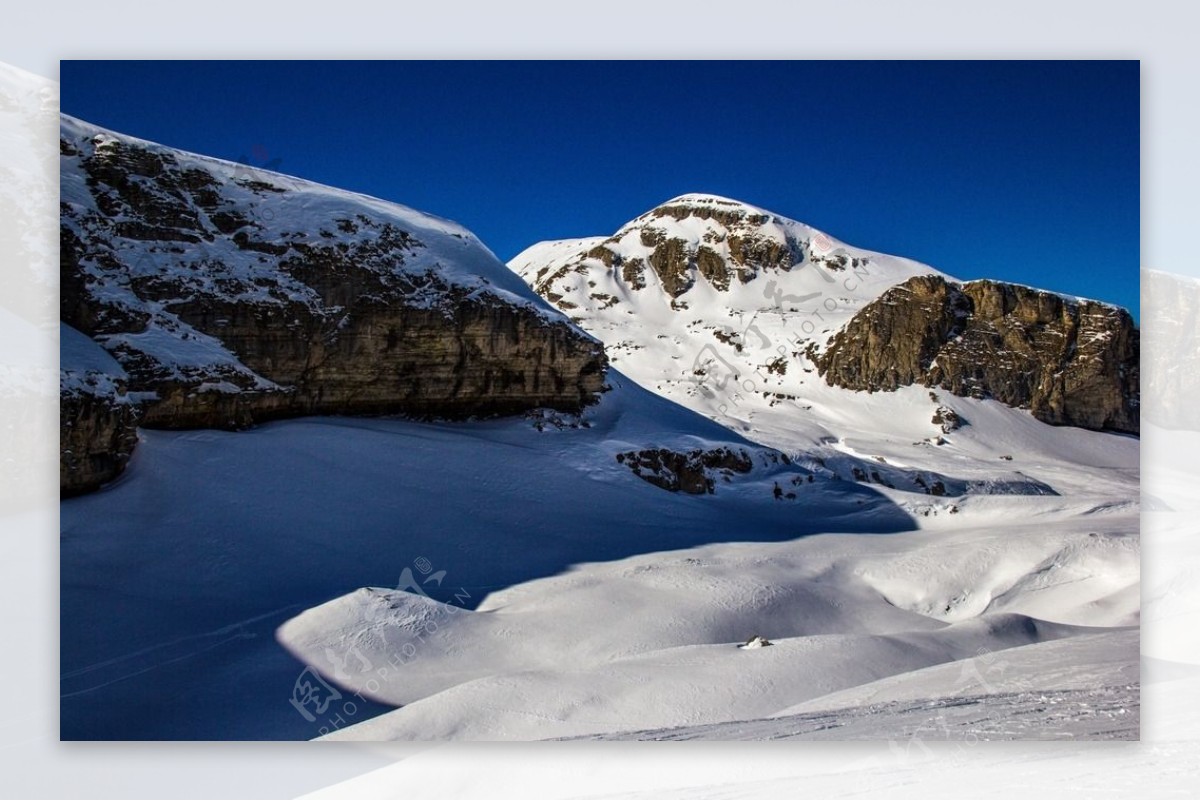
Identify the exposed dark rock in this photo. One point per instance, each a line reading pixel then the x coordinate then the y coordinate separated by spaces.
pixel 97 418
pixel 97 435
pixel 749 250
pixel 690 472
pixel 671 259
pixel 1070 362
pixel 633 273
pixel 947 419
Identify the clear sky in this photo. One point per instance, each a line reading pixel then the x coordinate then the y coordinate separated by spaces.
pixel 1023 171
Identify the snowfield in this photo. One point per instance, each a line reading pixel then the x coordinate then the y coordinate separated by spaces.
pixel 576 598
pixel 537 661
pixel 1082 688
pixel 211 539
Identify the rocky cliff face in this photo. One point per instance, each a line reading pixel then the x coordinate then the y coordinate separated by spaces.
pixel 97 436
pixel 1070 362
pixel 97 418
pixel 230 295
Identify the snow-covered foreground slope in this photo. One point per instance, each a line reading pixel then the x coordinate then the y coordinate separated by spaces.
pixel 611 647
pixel 175 575
pixel 916 762
pixel 1084 687
pixel 574 593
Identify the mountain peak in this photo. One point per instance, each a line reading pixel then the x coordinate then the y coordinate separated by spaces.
pixel 720 210
pixel 698 243
pixel 706 199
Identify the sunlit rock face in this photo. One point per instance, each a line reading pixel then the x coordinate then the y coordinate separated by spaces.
pixel 1069 361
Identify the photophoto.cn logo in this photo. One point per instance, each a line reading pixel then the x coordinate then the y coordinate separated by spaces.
pixel 312 695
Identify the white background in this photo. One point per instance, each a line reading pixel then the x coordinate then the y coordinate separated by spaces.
pixel 1162 35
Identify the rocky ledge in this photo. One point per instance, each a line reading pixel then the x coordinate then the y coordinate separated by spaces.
pixel 1069 361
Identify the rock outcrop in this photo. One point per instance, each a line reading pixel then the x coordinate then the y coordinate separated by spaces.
pixel 97 436
pixel 230 295
pixel 1069 361
pixel 97 418
pixel 692 472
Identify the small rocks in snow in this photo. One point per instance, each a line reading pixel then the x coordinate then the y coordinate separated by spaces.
pixel 756 641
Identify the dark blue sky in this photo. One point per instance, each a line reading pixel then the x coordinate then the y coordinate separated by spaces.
pixel 1025 171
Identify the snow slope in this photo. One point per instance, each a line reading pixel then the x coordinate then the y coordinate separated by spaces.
pixel 559 565
pixel 175 575
pixel 661 630
pixel 1084 687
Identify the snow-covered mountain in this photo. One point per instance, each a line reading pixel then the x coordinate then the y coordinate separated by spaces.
pixel 737 312
pixel 586 565
pixel 232 295
pixel 710 267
